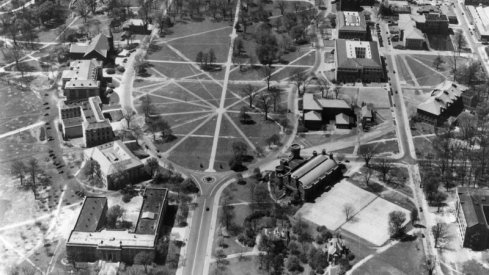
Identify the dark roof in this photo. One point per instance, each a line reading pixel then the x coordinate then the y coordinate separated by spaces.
pixel 348 20
pixel 90 214
pixel 344 62
pixel 99 44
pixel 475 204
pixel 151 210
pixel 435 16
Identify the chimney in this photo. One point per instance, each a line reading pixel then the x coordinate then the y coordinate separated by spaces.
pixel 295 149
pixel 314 153
pixel 323 152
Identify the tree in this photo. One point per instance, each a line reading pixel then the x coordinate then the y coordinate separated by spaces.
pixel 384 166
pixel 367 153
pixel 440 233
pixel 146 106
pixel 265 103
pixel 113 214
pixel 367 175
pixel 438 61
pixel 396 223
pixel 414 215
pixel 227 212
pixel 293 264
pixel 212 57
pixel 200 58
pixel 249 91
pixel 166 133
pixel 220 257
pixel 300 80
pixel 153 166
pixel 267 73
pixel 15 54
pixel 239 148
pixel 267 51
pixel 34 169
pixel 92 172
pixel 129 116
pixel 439 198
pixel 239 46
pixel 273 140
pixel 83 9
pixel 145 259
pixel 429 264
pixel 348 210
pixel 18 169
pixel 459 41
pixel 281 4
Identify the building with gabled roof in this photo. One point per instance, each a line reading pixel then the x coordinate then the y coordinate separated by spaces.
pixel 445 101
pixel 82 80
pixel 100 47
pixel 85 119
pixel 98 243
pixel 472 217
pixel 115 158
pixel 351 25
pixel 358 61
pixel 306 179
pixel 318 112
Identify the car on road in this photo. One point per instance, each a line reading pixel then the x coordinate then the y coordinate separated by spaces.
pixel 47 108
pixel 46 114
pixel 49 128
pixel 60 172
pixel 46 94
pixel 45 103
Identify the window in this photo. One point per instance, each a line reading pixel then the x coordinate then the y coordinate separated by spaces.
pixel 360 52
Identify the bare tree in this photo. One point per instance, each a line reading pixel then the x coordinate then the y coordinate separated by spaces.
pixel 83 9
pixel 146 106
pixel 367 175
pixel 348 210
pixel 267 73
pixel 18 169
pixel 323 86
pixel 384 166
pixel 440 233
pixel 249 91
pixel 274 96
pixel 265 103
pixel 129 116
pixel 281 5
pixel 34 169
pixel 367 153
pixel 300 80
pixel 438 61
pixel 459 42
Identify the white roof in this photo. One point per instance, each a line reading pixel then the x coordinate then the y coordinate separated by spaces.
pixel 441 97
pixel 342 119
pixel 309 103
pixel 333 103
pixel 113 154
pixel 111 238
pixel 312 116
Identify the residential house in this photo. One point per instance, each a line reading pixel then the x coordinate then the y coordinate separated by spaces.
pixel 137 26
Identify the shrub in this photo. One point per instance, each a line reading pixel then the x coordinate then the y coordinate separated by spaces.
pixel 126 197
pixel 110 71
pixel 121 69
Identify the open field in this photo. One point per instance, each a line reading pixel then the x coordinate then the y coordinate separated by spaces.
pixel 19 109
pixel 425 76
pixel 370 212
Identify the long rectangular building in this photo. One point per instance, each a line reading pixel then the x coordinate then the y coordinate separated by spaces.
pixel 480 18
pixel 473 216
pixel 358 61
pixel 89 241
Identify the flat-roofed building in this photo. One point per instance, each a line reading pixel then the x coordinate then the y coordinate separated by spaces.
pixel 472 211
pixel 480 18
pixel 96 243
pixel 412 37
pixel 307 178
pixel 351 25
pixel 115 158
pixel 82 80
pixel 445 101
pixel 358 61
pixel 432 23
pixel 85 119
pixel 353 5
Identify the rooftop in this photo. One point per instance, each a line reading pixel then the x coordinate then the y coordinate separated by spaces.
pixel 310 103
pixel 351 20
pixel 342 119
pixel 312 116
pixel 409 27
pixel 152 208
pixel 93 117
pixel 99 44
pixel 82 74
pixel 113 156
pixel 357 54
pixel 309 172
pixel 480 16
pixel 441 97
pixel 90 214
pixel 475 204
pixel 111 238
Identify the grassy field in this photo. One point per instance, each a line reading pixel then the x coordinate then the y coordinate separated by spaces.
pixel 424 75
pixel 20 108
pixel 440 42
pixel 247 266
pixel 403 71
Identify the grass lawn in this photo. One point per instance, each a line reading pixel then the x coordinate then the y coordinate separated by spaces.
pixel 171 70
pixel 193 153
pixel 403 258
pixel 184 28
pixel 162 52
pixel 423 146
pixel 440 42
pixel 403 71
pixel 398 199
pixel 424 76
pixel 390 146
pixel 248 266
pixel 261 129
pixel 20 108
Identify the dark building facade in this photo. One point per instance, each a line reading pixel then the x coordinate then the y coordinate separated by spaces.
pixel 472 216
pixel 351 25
pixel 358 61
pixel 318 112
pixel 306 179
pixel 353 5
pixel 89 241
pixel 445 101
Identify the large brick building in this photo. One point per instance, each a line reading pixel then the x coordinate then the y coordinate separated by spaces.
pixel 85 119
pixel 306 179
pixel 89 241
pixel 114 157
pixel 100 47
pixel 432 23
pixel 358 61
pixel 353 5
pixel 410 35
pixel 318 112
pixel 445 101
pixel 351 25
pixel 82 80
pixel 473 216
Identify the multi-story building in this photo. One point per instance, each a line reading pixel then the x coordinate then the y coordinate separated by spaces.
pixel 85 119
pixel 100 47
pixel 89 241
pixel 115 158
pixel 318 112
pixel 358 61
pixel 432 23
pixel 476 2
pixel 351 25
pixel 306 179
pixel 445 101
pixel 472 211
pixel 412 37
pixel 353 5
pixel 480 19
pixel 82 80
